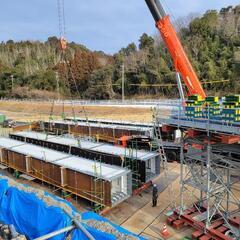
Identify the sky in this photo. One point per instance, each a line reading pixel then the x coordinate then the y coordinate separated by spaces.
pixel 102 25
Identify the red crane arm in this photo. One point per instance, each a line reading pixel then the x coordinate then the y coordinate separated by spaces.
pixel 175 48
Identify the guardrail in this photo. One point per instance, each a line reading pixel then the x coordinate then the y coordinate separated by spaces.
pixel 149 102
pixel 178 117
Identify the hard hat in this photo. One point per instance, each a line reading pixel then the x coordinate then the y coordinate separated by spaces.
pixel 155 185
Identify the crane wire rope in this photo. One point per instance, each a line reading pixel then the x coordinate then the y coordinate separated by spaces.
pixel 63 57
pixel 62 31
pixel 176 20
pixel 61 18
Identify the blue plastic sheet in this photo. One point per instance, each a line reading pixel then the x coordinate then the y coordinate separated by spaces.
pixel 28 214
pixel 33 218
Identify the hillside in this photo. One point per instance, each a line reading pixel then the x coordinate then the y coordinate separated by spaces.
pixel 211 41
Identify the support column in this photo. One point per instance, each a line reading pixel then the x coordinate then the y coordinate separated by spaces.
pixel 208 184
pixel 228 191
pixel 202 176
pixel 28 160
pixel 63 176
pixel 181 180
pixel 1 155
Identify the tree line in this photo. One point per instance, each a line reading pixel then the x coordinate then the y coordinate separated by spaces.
pixel 212 42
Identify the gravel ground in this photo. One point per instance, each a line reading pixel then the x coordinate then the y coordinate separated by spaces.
pixel 108 228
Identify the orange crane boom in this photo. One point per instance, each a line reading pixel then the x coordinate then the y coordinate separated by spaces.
pixel 175 48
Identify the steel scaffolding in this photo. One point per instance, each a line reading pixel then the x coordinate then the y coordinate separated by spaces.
pixel 98 186
pixel 209 176
pixel 131 163
pixel 213 180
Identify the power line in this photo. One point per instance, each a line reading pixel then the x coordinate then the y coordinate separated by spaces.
pixel 160 85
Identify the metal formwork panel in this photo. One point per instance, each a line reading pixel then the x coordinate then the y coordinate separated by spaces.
pixel 82 185
pixel 157 165
pixel 110 131
pixel 108 158
pixel 17 161
pixel 75 182
pixel 47 172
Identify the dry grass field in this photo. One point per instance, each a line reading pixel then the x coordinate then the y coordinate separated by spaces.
pixel 31 111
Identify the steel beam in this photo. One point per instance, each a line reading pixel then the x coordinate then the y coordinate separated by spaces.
pixel 56 233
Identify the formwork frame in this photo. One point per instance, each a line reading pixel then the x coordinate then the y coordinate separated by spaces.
pixel 97 186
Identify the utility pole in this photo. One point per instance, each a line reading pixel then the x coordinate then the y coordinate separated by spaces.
pixel 58 89
pixel 123 83
pixel 12 79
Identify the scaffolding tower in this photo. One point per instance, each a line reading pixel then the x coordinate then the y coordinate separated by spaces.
pixel 209 177
pixel 212 180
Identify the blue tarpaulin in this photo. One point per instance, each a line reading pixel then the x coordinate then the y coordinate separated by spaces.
pixel 33 218
pixel 28 214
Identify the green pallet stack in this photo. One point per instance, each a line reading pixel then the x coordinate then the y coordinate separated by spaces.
pixel 194 106
pixel 212 109
pixel 231 108
pixel 2 118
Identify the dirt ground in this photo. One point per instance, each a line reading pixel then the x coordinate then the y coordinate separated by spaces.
pixel 137 214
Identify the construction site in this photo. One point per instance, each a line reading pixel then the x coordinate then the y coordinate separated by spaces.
pixel 167 169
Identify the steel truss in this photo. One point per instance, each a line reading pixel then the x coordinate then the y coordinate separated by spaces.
pixel 213 180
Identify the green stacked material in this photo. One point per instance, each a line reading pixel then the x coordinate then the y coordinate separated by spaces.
pixel 2 118
pixel 231 109
pixel 233 98
pixel 212 99
pixel 196 98
pixel 212 110
pixel 231 105
pixel 194 106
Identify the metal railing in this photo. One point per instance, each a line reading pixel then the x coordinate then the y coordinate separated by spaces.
pixel 149 102
pixel 178 117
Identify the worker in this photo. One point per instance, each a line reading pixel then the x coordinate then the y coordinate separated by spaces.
pixel 154 195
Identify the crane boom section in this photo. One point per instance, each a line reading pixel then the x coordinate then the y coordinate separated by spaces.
pixel 175 48
pixel 180 59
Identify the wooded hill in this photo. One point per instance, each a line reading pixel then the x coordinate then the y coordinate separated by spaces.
pixel 212 41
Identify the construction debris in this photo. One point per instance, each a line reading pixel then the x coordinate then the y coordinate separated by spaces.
pixel 9 233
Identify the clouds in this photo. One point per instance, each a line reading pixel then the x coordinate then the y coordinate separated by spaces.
pixel 100 25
